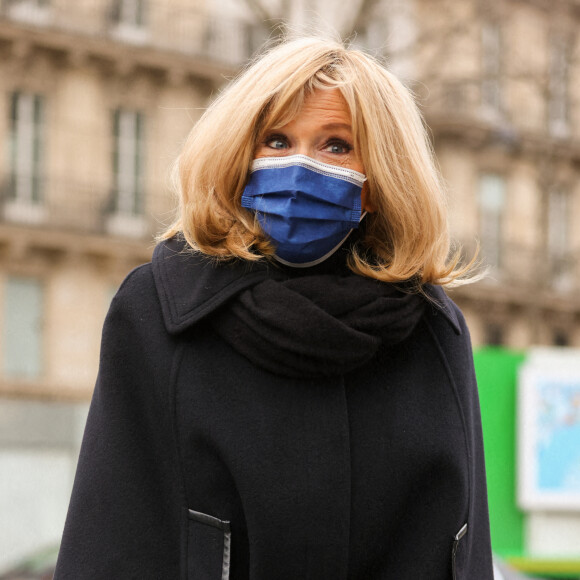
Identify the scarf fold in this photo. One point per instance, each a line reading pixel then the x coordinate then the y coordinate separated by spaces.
pixel 317 326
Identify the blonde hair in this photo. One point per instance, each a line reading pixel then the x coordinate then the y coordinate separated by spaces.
pixel 406 237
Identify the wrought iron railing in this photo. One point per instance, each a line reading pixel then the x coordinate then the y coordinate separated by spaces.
pixel 90 207
pixel 82 207
pixel 463 98
pixel 531 266
pixel 158 24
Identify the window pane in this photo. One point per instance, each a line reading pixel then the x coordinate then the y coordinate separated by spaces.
pixel 561 338
pixel 490 40
pixel 26 147
pixel 491 66
pixel 113 206
pixel 492 192
pixel 558 103
pixel 12 141
pixel 141 12
pixel 139 164
pixel 38 148
pixel 494 334
pixel 491 205
pixel 130 12
pixel 128 163
pixel 558 226
pixel 22 328
pixel 559 254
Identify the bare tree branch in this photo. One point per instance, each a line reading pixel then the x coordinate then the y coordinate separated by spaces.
pixel 266 16
pixel 364 12
pixel 260 11
pixel 275 23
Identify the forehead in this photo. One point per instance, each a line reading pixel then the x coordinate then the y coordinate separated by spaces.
pixel 318 104
pixel 326 105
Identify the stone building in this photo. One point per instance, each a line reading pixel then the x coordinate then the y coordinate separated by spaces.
pixel 502 99
pixel 96 97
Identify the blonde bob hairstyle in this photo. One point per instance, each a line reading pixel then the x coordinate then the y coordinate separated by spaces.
pixel 405 237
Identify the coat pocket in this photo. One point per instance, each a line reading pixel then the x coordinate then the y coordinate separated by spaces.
pixel 458 554
pixel 208 547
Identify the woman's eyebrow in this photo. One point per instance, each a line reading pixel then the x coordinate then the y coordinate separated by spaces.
pixel 331 126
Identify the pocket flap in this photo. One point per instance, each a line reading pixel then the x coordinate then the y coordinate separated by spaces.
pixel 457 554
pixel 209 547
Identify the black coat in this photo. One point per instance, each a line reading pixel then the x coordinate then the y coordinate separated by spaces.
pixel 199 461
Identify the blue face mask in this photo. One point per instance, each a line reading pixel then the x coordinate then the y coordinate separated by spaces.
pixel 306 208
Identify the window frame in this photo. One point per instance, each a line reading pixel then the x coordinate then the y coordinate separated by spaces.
pixel 23 328
pixel 492 211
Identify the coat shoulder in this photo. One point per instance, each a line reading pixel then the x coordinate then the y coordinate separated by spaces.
pixel 138 285
pixel 453 341
pixel 136 299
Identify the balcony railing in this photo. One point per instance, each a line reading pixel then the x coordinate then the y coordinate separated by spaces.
pixel 87 208
pixel 524 266
pixel 159 25
pixel 91 208
pixel 466 98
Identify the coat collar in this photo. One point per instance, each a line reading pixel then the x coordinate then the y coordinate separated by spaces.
pixel 442 303
pixel 191 286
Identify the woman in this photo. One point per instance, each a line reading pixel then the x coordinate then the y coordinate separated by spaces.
pixel 286 391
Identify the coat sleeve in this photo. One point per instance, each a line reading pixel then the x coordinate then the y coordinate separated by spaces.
pixel 125 515
pixel 477 560
pixel 472 549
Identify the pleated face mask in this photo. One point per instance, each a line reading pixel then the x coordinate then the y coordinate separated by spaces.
pixel 307 208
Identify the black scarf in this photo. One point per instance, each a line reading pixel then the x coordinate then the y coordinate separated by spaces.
pixel 317 325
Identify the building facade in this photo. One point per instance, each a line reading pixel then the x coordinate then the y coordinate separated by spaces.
pixel 96 97
pixel 501 96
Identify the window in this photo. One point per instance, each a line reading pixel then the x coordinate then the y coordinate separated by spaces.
pixel 22 328
pixel 494 334
pixel 491 68
pixel 491 198
pixel 129 18
pixel 558 105
pixel 127 204
pixel 29 11
pixel 25 151
pixel 130 12
pixel 561 338
pixel 558 235
pixel 128 162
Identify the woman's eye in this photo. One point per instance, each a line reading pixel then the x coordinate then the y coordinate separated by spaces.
pixel 276 143
pixel 338 147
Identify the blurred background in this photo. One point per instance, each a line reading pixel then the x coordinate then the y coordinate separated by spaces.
pixel 96 98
